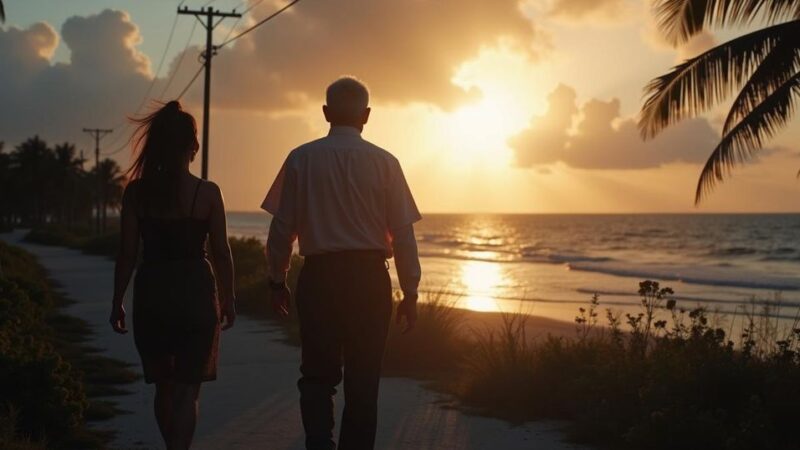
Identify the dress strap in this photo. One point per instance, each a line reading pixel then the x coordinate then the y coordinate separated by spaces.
pixel 194 200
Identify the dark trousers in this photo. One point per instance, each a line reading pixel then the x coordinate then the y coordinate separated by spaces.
pixel 344 303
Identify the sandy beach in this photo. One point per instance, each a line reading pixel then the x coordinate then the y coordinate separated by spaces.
pixel 254 404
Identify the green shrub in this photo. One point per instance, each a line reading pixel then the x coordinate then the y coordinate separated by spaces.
pixel 54 236
pixel 10 438
pixel 653 386
pixel 41 386
pixel 42 361
pixel 103 245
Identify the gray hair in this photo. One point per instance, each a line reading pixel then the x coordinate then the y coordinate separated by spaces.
pixel 347 97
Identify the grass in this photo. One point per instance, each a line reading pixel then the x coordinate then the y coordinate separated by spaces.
pixel 52 379
pixel 664 377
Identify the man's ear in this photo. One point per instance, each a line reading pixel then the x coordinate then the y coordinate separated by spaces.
pixel 326 113
pixel 366 115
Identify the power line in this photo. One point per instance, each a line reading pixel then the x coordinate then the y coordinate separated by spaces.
pixel 210 15
pixel 160 65
pixel 249 8
pixel 125 124
pixel 191 82
pixel 180 60
pixel 233 27
pixel 258 24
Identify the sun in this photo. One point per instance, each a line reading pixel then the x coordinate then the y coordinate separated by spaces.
pixel 510 93
pixel 479 133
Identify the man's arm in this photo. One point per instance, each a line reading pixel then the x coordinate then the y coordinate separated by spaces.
pixel 279 249
pixel 406 257
pixel 409 272
pixel 280 202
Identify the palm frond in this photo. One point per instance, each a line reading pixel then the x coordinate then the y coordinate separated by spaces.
pixel 679 20
pixel 748 135
pixel 703 81
pixel 775 69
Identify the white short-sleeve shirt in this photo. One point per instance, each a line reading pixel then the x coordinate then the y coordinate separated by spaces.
pixel 341 193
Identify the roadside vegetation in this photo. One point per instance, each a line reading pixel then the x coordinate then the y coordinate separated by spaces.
pixel 50 379
pixel 669 376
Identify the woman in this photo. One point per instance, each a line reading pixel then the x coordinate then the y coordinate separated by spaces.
pixel 176 314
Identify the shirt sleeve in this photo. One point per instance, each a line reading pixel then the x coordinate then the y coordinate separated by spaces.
pixel 401 210
pixel 281 203
pixel 281 198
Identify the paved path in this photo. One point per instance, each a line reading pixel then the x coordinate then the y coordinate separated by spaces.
pixel 253 404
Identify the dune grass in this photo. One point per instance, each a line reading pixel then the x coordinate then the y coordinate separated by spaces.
pixel 663 378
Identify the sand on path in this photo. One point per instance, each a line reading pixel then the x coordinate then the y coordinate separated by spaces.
pixel 254 402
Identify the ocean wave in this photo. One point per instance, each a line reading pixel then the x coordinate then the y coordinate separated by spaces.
pixel 692 275
pixel 733 251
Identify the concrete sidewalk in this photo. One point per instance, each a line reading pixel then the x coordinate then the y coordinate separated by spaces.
pixel 254 403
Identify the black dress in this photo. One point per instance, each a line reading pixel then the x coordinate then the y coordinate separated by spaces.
pixel 175 308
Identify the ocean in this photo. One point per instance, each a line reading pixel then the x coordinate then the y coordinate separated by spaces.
pixel 552 264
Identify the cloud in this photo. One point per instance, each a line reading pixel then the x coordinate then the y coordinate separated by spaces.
pixel 699 43
pixel 582 10
pixel 405 51
pixel 104 76
pixel 602 139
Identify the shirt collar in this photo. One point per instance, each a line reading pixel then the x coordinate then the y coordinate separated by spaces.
pixel 344 131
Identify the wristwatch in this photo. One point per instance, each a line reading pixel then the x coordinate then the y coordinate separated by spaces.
pixel 277 285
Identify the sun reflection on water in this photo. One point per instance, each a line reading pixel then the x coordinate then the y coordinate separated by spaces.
pixel 481 280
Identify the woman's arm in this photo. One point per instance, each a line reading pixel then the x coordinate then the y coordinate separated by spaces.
pixel 126 258
pixel 222 258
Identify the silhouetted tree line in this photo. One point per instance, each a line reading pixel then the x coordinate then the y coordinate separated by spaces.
pixel 42 185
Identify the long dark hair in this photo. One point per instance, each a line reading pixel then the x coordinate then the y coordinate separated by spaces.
pixel 162 142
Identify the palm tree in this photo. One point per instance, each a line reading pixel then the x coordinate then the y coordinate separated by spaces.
pixel 111 184
pixel 2 12
pixel 33 163
pixel 67 179
pixel 762 66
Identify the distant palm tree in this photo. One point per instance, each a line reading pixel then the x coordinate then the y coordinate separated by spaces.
pixel 111 184
pixel 2 12
pixel 33 163
pixel 763 66
pixel 67 178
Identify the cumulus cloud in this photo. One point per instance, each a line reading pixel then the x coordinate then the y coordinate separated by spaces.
pixel 580 10
pixel 405 51
pixel 602 139
pixel 104 76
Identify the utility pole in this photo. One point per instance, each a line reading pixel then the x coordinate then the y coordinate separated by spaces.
pixel 210 14
pixel 98 134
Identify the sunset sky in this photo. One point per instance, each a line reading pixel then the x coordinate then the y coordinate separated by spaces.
pixel 491 106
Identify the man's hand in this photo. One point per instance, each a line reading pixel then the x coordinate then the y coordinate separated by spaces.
pixel 117 318
pixel 280 301
pixel 408 309
pixel 227 314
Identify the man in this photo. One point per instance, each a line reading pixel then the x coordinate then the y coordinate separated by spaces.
pixel 349 206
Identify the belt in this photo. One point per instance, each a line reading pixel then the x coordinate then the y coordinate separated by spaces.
pixel 347 255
